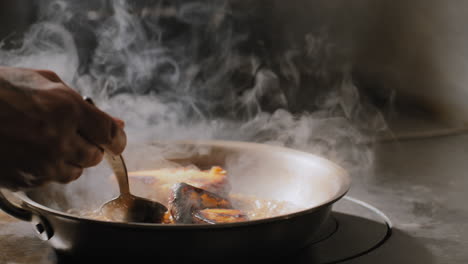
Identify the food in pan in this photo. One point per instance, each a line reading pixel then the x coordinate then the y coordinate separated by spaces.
pixel 216 216
pixel 192 196
pixel 195 196
pixel 157 184
pixel 186 201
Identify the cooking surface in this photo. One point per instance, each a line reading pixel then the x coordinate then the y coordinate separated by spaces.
pixel 419 184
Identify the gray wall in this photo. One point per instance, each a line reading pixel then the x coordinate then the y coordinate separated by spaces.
pixel 418 48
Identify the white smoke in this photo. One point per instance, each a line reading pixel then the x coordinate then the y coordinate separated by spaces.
pixel 181 70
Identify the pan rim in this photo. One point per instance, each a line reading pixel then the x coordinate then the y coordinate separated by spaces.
pixel 345 184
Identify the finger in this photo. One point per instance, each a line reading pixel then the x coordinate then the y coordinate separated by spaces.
pixel 12 180
pixel 31 180
pixel 119 122
pixel 63 171
pixel 15 180
pixel 49 75
pixel 82 153
pixel 101 129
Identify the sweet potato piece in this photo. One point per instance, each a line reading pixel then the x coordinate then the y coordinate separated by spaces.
pixel 216 216
pixel 156 184
pixel 167 219
pixel 186 199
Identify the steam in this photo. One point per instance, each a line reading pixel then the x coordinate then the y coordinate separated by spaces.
pixel 200 70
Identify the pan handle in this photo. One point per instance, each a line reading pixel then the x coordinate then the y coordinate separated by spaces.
pixel 42 227
pixel 14 210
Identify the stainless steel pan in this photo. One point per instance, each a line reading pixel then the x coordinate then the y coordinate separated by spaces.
pixel 265 171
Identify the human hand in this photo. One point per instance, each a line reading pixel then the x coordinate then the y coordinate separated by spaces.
pixel 48 132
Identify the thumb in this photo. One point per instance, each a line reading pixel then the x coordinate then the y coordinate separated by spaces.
pixel 102 129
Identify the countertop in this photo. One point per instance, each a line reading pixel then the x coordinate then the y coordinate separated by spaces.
pixel 421 186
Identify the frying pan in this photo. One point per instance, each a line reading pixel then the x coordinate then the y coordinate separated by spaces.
pixel 268 172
